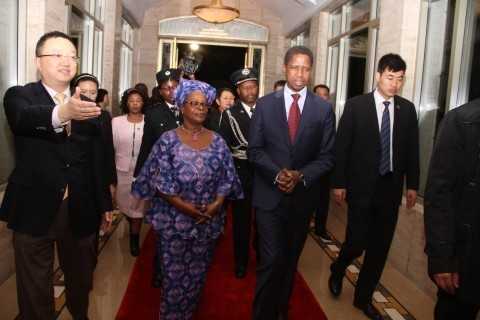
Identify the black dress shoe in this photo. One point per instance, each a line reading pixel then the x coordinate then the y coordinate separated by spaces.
pixel 240 272
pixel 369 310
pixel 335 283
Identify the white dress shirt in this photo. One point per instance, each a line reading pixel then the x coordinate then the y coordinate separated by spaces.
pixel 379 99
pixel 56 123
pixel 248 109
pixel 287 93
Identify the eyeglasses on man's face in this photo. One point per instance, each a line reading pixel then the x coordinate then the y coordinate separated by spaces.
pixel 61 57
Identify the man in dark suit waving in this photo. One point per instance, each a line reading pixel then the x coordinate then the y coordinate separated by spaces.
pixel 376 149
pixel 291 147
pixel 56 193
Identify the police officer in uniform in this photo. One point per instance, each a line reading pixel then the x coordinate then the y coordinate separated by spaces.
pixel 234 128
pixel 159 118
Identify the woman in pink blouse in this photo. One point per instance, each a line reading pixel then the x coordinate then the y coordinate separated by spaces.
pixel 127 137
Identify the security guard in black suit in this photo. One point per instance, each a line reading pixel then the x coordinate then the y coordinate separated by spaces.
pixel 234 128
pixel 159 118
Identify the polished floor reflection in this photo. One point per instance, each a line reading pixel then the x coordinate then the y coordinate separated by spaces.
pixel 115 264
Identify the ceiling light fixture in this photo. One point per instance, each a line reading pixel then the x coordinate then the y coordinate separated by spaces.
pixel 216 12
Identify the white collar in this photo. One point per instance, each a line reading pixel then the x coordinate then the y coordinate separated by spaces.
pixel 53 93
pixel 246 106
pixel 289 91
pixel 379 99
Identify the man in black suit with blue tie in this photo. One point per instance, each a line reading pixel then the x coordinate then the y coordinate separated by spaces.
pixel 376 151
pixel 290 146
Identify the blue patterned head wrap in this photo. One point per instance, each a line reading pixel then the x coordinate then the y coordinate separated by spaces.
pixel 186 87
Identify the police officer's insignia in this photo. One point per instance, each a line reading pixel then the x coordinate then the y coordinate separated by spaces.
pixel 167 73
pixel 245 72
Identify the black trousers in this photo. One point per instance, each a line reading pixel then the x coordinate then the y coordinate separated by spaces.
pixel 281 234
pixel 34 260
pixel 449 307
pixel 321 212
pixel 369 228
pixel 242 226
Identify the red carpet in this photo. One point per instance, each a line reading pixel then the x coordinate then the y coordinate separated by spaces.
pixel 224 297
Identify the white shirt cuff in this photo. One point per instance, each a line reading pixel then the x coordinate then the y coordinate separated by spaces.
pixel 56 123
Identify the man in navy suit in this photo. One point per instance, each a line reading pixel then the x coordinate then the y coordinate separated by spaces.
pixel 290 146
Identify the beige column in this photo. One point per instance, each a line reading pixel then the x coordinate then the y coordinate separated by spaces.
pixel 112 32
pixel 319 46
pixel 398 33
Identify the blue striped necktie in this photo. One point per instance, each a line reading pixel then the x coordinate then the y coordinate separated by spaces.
pixel 385 140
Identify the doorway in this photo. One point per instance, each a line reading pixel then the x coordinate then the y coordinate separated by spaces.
pixel 216 63
pixel 219 59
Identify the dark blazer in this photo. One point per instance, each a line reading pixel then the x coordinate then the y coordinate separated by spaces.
pixel 213 120
pixel 243 167
pixel 270 148
pixel 158 119
pixel 452 209
pixel 109 151
pixel 46 161
pixel 358 149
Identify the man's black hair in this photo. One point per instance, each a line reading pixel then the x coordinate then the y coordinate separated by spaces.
pixel 321 86
pixel 391 62
pixel 279 83
pixel 50 35
pixel 297 50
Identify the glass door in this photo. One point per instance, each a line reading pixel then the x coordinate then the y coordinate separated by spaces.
pixel 215 61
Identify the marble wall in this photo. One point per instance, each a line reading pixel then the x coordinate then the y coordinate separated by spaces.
pixel 319 46
pixel 398 33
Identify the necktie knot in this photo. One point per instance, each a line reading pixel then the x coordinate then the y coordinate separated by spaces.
pixel 386 104
pixel 60 97
pixel 296 97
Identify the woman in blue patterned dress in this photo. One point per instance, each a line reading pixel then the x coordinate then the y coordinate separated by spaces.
pixel 188 175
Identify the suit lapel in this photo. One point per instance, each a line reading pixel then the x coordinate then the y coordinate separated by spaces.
pixel 282 116
pixel 43 94
pixel 305 116
pixel 372 114
pixel 242 117
pixel 372 117
pixel 44 97
pixel 396 129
